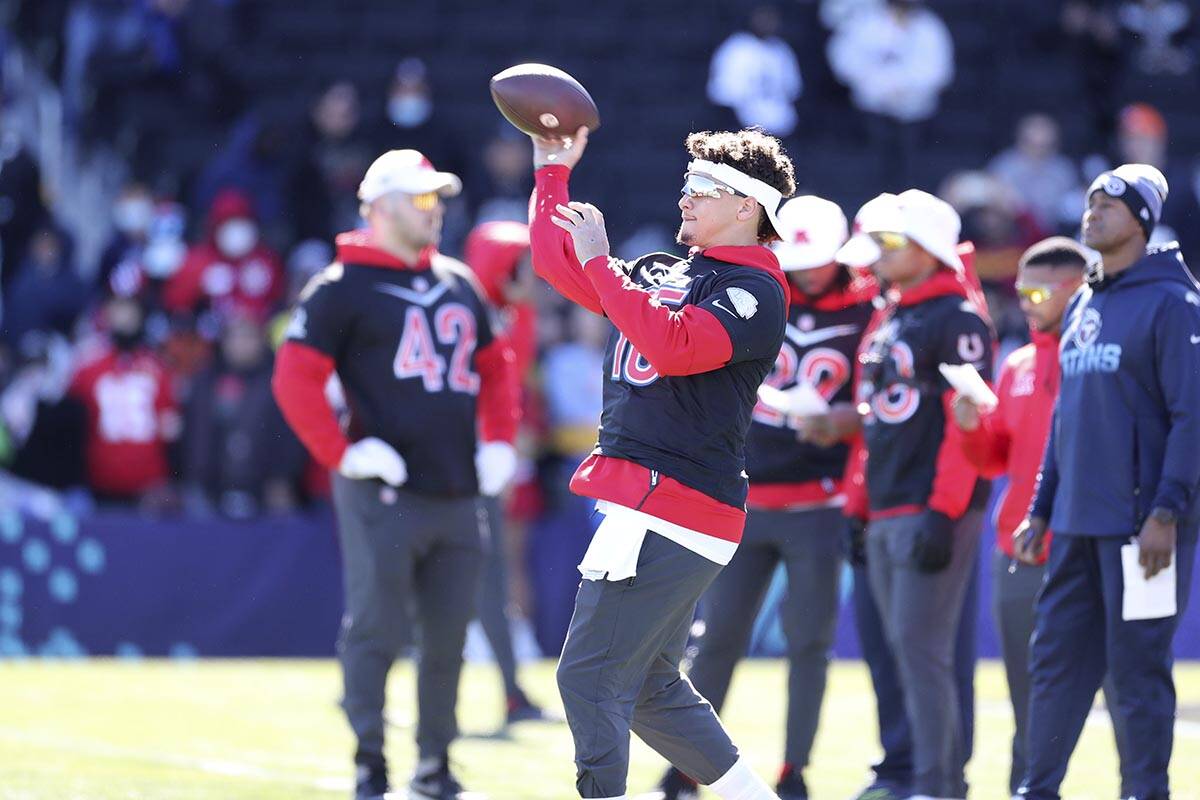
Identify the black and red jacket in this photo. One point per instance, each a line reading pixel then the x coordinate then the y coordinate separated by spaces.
pixel 693 341
pixel 819 347
pixel 910 444
pixel 414 350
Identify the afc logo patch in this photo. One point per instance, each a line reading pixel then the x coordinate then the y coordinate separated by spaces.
pixel 1088 329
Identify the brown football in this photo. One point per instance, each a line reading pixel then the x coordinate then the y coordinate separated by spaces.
pixel 543 100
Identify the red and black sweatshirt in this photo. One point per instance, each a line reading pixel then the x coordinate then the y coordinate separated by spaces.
pixel 819 347
pixel 414 349
pixel 912 449
pixel 694 339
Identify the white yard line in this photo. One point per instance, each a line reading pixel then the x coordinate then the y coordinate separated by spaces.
pixel 211 766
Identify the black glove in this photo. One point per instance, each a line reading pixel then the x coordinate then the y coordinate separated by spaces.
pixel 935 542
pixel 856 541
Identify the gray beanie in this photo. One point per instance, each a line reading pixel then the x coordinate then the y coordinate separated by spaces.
pixel 1139 186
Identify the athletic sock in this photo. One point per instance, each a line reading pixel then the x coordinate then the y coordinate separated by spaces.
pixel 741 783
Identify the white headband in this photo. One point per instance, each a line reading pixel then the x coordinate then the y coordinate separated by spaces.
pixel 767 195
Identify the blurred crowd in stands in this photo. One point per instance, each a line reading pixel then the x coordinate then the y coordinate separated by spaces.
pixel 137 372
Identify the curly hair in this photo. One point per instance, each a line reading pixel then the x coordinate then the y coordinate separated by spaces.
pixel 753 152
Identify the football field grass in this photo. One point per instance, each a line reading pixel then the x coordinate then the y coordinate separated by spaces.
pixel 271 730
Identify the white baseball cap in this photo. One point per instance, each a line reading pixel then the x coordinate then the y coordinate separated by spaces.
pixel 861 251
pixel 811 231
pixel 927 220
pixel 405 171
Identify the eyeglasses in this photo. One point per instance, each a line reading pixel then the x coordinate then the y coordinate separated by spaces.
pixel 426 202
pixel 697 185
pixel 889 240
pixel 1037 294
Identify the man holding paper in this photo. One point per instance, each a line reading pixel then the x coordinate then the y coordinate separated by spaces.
pixel 795 456
pixel 1009 439
pixel 923 500
pixel 1118 486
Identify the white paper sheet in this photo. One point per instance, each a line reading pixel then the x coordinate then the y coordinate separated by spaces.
pixel 967 381
pixel 802 400
pixel 1146 599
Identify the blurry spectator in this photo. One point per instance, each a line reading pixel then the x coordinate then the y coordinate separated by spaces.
pixel 265 158
pixel 1157 26
pixel 132 213
pixel 132 415
pixel 1142 138
pixel 412 120
pixel 1047 182
pixel 896 59
pixel 238 453
pixel 47 293
pixel 42 428
pixel 994 219
pixel 502 191
pixel 231 270
pixel 21 209
pixel 756 75
pixel 341 151
pixel 1091 31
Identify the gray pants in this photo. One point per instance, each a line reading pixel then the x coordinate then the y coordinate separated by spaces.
pixel 808 544
pixel 619 671
pixel 1014 595
pixel 405 557
pixel 920 613
pixel 493 597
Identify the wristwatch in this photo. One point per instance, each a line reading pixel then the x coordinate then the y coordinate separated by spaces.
pixel 1164 515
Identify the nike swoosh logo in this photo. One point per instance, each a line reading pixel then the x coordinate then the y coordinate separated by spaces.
pixel 426 298
pixel 717 303
pixel 1195 339
pixel 803 339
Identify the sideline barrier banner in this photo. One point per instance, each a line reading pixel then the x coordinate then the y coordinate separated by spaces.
pixel 119 584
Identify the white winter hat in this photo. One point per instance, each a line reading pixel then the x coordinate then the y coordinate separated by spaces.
pixel 861 251
pixel 812 230
pixel 405 171
pixel 927 220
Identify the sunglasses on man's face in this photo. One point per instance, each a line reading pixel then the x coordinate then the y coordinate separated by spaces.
pixel 697 185
pixel 425 202
pixel 889 241
pixel 1037 293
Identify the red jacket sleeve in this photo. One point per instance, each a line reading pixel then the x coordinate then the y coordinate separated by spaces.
pixel 499 392
pixel 854 482
pixel 553 252
pixel 182 291
pixel 299 387
pixel 955 478
pixel 684 342
pixel 987 446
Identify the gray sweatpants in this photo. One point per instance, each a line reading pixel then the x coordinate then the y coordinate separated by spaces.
pixel 808 544
pixel 1014 594
pixel 920 613
pixel 619 671
pixel 406 558
pixel 493 596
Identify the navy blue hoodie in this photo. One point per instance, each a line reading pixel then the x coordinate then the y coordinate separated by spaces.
pixel 1125 437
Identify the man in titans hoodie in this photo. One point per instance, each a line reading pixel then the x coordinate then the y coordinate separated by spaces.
pixel 1121 467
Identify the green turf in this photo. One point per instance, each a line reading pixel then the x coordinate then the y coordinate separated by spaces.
pixel 266 730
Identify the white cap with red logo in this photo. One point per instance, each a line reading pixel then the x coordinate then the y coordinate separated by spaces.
pixel 811 229
pixel 405 171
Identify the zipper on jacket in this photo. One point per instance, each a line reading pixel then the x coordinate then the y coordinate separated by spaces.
pixel 1137 487
pixel 649 491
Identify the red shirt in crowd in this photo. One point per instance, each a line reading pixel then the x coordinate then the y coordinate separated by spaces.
pixel 1012 438
pixel 251 283
pixel 132 415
